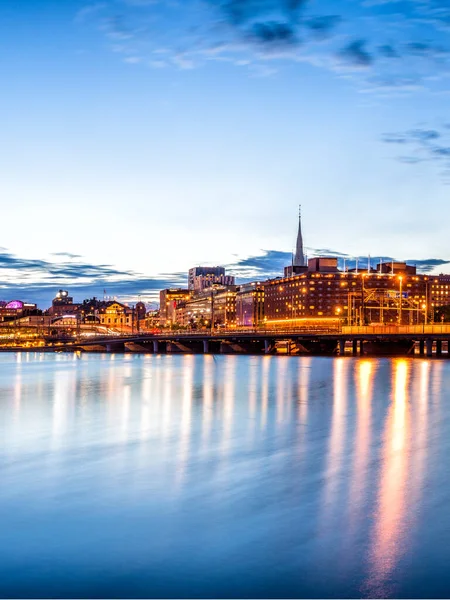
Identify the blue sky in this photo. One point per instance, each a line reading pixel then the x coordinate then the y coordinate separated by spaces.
pixel 144 137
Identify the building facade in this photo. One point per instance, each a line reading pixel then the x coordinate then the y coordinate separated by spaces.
pixel 63 304
pixel 169 301
pixel 351 297
pixel 201 278
pixel 116 315
pixel 250 305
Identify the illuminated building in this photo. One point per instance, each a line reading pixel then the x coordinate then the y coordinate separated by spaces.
pixel 16 309
pixel 224 307
pixel 201 278
pixel 117 315
pixel 439 291
pixel 250 305
pixel 195 312
pixel 62 304
pixel 217 304
pixel 354 298
pixel 169 300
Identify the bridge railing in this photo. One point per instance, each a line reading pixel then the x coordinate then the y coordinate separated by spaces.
pixel 395 329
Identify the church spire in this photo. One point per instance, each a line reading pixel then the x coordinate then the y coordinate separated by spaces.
pixel 299 258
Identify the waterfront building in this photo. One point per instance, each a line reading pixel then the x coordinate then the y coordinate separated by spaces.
pixel 201 278
pixel 250 305
pixel 440 290
pixel 63 304
pixel 353 298
pixel 16 309
pixel 196 312
pixel 215 305
pixel 117 315
pixel 169 300
pixel 223 307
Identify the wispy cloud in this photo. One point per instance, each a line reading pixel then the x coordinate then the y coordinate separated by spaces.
pixel 423 145
pixel 389 45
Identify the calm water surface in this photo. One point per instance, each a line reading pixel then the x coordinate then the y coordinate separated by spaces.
pixel 201 476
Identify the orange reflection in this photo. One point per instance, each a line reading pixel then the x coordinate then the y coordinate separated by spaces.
pixel 390 525
pixel 338 433
pixel 281 382
pixel 253 378
pixel 228 397
pixel 208 393
pixel 186 417
pixel 303 388
pixel 166 397
pixel 365 374
pixel 421 431
pixel 266 362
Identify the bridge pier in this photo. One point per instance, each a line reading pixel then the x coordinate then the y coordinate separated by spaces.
pixel 354 347
pixel 266 346
pixel 205 346
pixel 438 347
pixel 429 343
pixel 341 347
pixel 155 346
pixel 421 347
pixel 115 347
pixel 361 347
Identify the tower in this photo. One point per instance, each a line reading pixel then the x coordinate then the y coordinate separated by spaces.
pixel 299 257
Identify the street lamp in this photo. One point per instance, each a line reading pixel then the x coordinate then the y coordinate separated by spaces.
pixel 425 313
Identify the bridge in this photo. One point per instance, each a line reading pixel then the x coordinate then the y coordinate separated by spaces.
pixel 423 340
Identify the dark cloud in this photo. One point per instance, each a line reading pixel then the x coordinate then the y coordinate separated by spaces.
pixel 425 50
pixel 356 54
pixel 388 51
pixel 240 12
pixel 66 254
pixel 424 135
pixel 268 264
pixel 274 34
pixel 323 26
pixel 425 145
pixel 38 280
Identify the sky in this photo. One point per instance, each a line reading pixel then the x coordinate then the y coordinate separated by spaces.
pixel 143 137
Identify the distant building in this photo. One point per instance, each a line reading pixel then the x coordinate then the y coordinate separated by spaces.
pixel 250 305
pixel 223 307
pixel 355 298
pixel 16 309
pixel 299 264
pixel 201 278
pixel 169 300
pixel 194 312
pixel 116 315
pixel 62 304
pixel 323 264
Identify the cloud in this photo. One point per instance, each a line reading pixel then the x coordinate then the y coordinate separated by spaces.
pixel 385 47
pixel 355 54
pixel 424 145
pixel 89 11
pixel 35 280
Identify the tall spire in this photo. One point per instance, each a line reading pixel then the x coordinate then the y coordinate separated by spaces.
pixel 299 258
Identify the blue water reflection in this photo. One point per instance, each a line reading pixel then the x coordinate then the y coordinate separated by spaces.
pixel 201 476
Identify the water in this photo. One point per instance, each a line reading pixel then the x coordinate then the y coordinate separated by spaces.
pixel 233 476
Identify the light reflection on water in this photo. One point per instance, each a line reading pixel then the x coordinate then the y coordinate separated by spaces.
pixel 140 476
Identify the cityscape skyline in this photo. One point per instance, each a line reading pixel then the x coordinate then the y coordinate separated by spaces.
pixel 134 123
